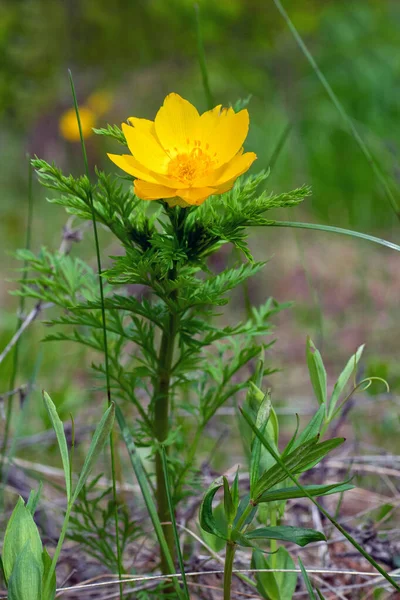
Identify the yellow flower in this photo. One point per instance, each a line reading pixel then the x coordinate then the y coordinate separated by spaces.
pixel 69 125
pixel 184 157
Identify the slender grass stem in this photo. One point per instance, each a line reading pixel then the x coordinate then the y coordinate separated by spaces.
pixel 331 229
pixel 21 309
pixel 106 358
pixel 173 521
pixel 229 558
pixel 202 60
pixel 340 108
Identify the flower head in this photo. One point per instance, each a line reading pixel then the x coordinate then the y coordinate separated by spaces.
pixel 69 125
pixel 184 157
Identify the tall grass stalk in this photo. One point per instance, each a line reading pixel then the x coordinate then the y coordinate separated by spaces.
pixel 202 60
pixel 106 359
pixel 21 308
pixel 341 110
pixel 340 230
pixel 173 521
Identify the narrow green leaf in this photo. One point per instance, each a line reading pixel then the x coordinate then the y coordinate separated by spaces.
pixel 99 439
pixel 307 581
pixel 320 596
pixel 343 378
pixel 317 453
pixel 290 493
pixel 61 439
pixel 261 423
pixel 173 521
pixel 317 371
pixel 207 521
pixel 230 510
pixel 312 428
pixel 235 491
pixel 276 473
pixel 286 533
pixel 21 531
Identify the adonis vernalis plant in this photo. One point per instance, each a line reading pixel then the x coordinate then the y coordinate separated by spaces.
pixel 166 354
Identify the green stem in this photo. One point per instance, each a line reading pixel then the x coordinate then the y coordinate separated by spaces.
pixel 57 552
pixel 274 544
pixel 161 426
pixel 244 516
pixel 229 556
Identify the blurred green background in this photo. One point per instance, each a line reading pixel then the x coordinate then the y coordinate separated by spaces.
pixel 125 57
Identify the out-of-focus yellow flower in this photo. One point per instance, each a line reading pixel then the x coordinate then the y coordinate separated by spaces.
pixel 69 126
pixel 184 157
pixel 100 102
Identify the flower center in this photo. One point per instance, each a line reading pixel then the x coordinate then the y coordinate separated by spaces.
pixel 188 166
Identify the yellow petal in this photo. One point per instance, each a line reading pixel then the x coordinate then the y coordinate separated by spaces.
pixel 208 122
pixel 146 148
pixel 142 124
pixel 152 191
pixel 130 165
pixel 230 171
pixel 228 136
pixel 195 195
pixel 176 124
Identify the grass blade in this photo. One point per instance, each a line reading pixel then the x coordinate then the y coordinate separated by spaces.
pixel 173 521
pixel 307 581
pixel 146 493
pixel 202 60
pixel 356 545
pixel 340 108
pixel 103 315
pixel 331 229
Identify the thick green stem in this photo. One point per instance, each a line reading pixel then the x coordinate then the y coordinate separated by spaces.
pixel 229 556
pixel 161 427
